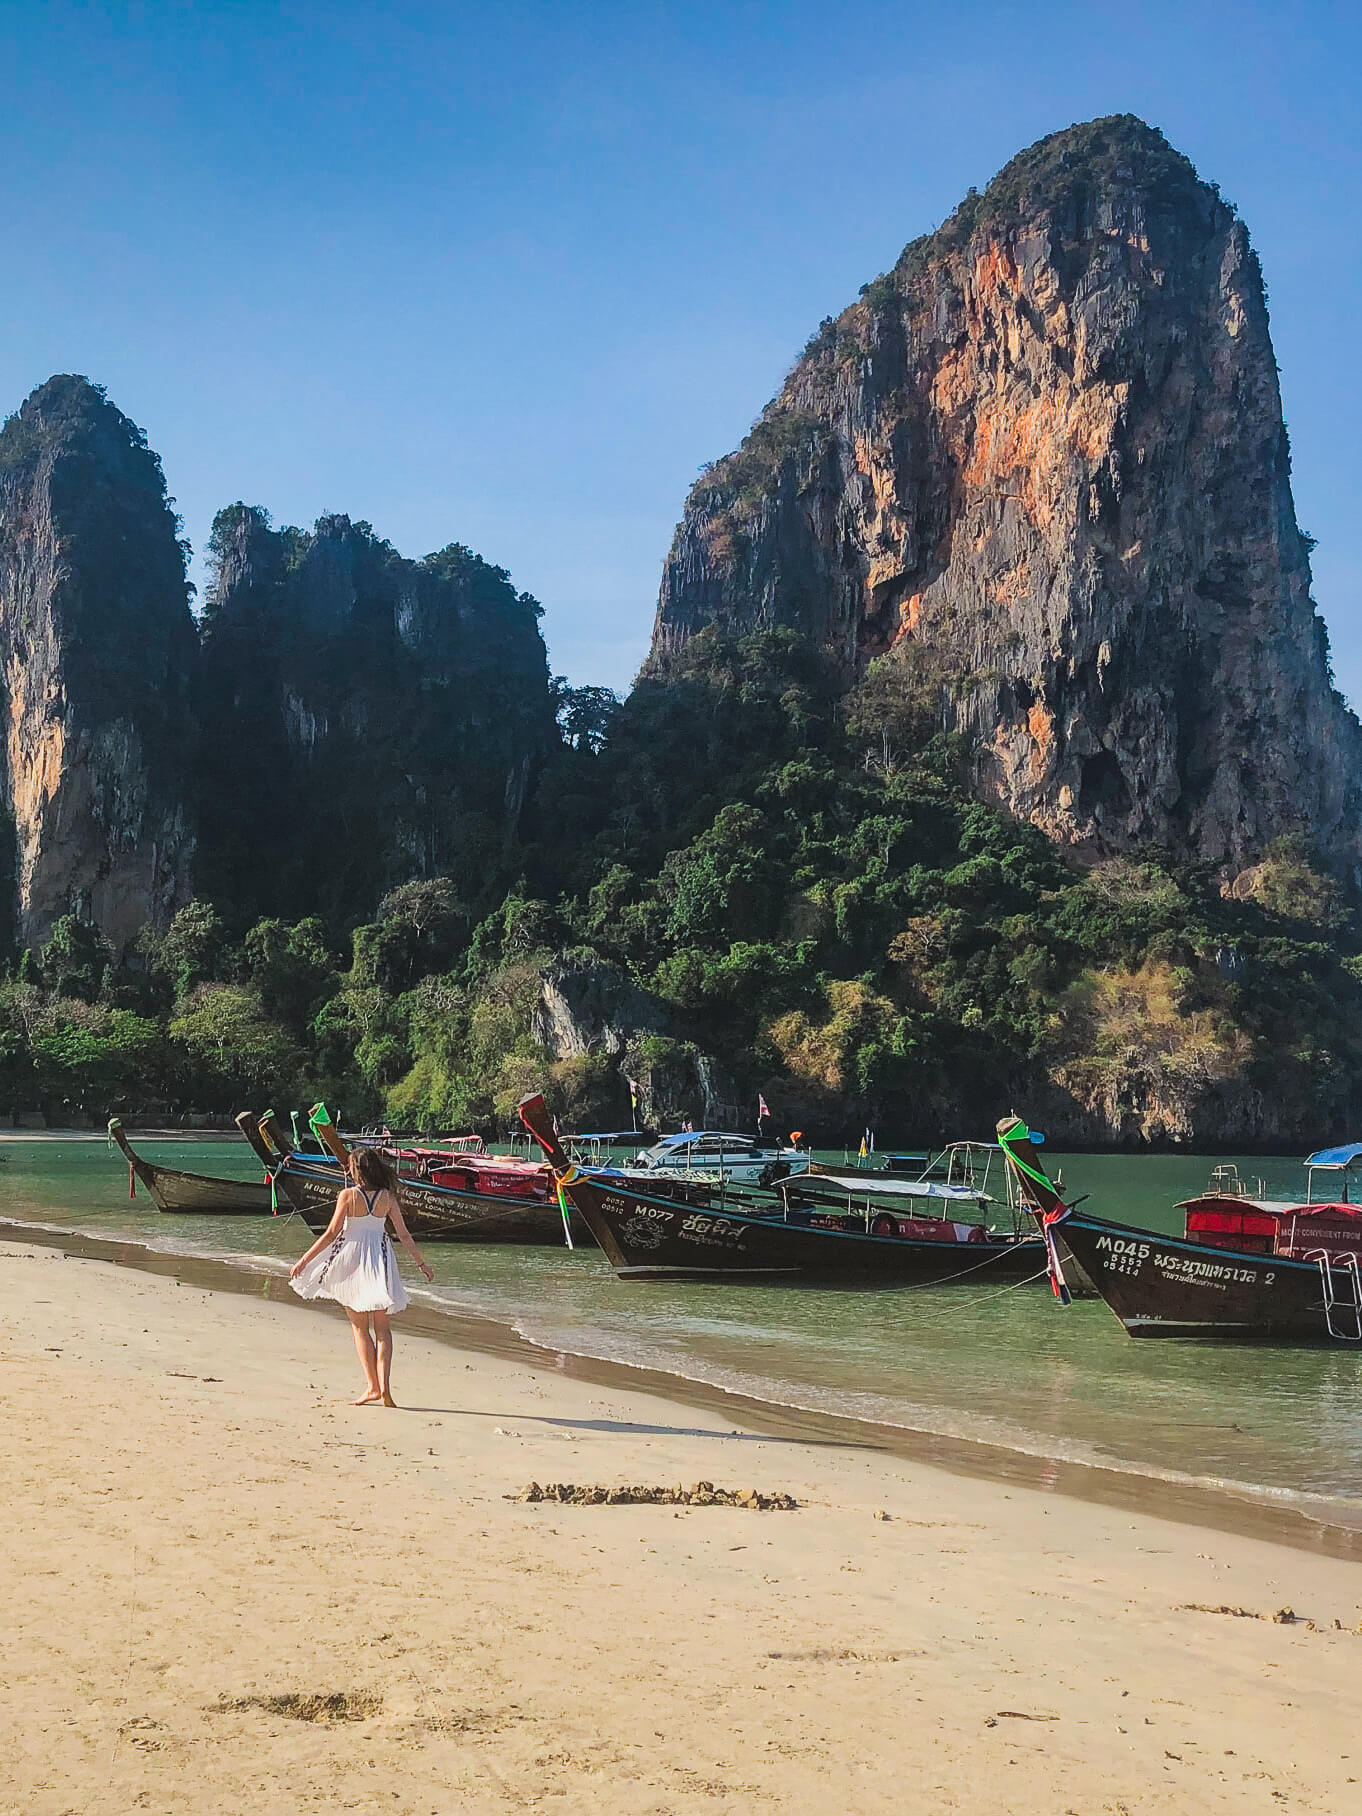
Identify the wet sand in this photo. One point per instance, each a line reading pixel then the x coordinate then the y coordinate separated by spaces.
pixel 229 1590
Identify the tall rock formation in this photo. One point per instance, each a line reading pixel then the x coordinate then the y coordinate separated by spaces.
pixel 97 644
pixel 366 718
pixel 1042 464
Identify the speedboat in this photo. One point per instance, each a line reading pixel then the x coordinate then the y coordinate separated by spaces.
pixel 714 1154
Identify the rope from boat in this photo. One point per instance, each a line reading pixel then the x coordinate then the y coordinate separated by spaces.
pixel 560 1180
pixel 998 1292
pixel 964 1274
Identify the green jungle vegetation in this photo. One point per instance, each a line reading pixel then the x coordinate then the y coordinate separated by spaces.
pixel 798 886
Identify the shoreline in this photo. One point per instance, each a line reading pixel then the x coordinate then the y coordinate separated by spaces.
pixel 1241 1510
pixel 236 1592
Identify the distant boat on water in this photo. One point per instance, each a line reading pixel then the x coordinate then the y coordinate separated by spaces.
pixel 715 1153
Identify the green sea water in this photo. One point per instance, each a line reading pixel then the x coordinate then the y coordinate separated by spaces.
pixel 1007 1366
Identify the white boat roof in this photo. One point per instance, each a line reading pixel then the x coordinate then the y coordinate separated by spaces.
pixel 880 1185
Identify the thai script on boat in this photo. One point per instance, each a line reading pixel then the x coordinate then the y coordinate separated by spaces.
pixel 1211 1273
pixel 1128 1254
pixel 714 1232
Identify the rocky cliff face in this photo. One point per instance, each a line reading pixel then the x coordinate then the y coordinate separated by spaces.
pixel 1041 465
pixel 366 718
pixel 97 645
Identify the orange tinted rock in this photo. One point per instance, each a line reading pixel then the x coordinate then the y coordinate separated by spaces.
pixel 1047 451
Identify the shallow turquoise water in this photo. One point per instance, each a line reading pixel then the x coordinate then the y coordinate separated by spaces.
pixel 1005 1365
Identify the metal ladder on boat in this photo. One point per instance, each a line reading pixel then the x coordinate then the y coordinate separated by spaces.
pixel 1343 1305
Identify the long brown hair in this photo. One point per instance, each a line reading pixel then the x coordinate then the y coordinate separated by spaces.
pixel 374 1170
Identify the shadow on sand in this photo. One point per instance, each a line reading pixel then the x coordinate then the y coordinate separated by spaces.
pixel 627 1428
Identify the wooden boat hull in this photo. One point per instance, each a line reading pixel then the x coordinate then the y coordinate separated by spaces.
pixel 1165 1286
pixel 647 1238
pixel 177 1192
pixel 432 1212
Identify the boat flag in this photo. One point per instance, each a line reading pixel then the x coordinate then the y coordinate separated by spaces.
pixel 763 1108
pixel 633 1098
pixel 864 1152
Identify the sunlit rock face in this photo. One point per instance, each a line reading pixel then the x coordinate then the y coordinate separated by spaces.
pixel 97 645
pixel 1042 466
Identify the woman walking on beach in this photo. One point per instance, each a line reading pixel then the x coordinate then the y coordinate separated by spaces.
pixel 353 1263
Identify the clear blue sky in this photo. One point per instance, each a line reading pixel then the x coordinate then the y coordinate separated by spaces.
pixel 508 274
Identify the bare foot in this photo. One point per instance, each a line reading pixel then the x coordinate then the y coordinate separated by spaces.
pixel 389 1401
pixel 367 1400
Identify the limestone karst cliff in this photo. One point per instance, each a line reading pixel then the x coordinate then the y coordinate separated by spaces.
pixel 97 644
pixel 345 720
pixel 366 718
pixel 1041 466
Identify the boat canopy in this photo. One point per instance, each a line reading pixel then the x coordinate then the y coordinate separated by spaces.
pixel 1337 1158
pixel 613 1137
pixel 875 1185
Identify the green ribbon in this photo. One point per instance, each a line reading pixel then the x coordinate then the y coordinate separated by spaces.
pixel 1020 1132
pixel 567 1215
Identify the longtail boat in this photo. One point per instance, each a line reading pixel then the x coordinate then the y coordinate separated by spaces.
pixel 1258 1270
pixel 462 1201
pixel 174 1191
pixel 647 1234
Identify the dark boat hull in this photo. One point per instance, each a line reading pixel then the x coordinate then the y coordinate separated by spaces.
pixel 177 1193
pixel 1164 1286
pixel 432 1212
pixel 647 1238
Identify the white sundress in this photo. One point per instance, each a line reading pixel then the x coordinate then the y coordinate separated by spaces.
pixel 358 1269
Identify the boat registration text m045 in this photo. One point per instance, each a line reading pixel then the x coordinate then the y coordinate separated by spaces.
pixel 1122 1255
pixel 1126 1255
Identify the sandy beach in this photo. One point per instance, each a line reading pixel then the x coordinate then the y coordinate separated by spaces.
pixel 228 1590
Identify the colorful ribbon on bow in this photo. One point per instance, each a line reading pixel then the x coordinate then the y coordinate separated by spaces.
pixel 560 1180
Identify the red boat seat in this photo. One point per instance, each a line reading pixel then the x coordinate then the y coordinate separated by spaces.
pixel 1227 1223
pixel 493 1182
pixel 1291 1230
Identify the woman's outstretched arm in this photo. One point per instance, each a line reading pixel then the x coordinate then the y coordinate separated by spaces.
pixel 328 1235
pixel 404 1237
